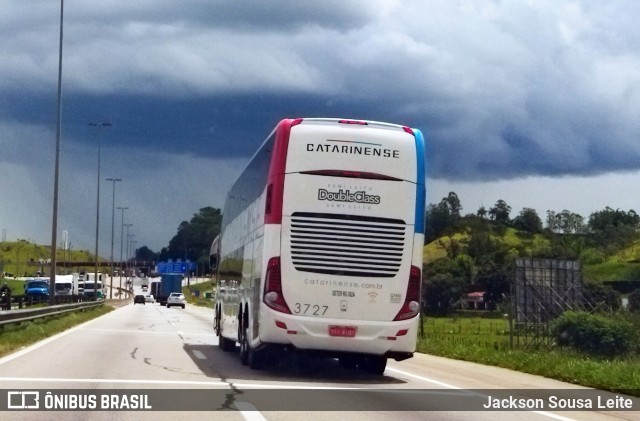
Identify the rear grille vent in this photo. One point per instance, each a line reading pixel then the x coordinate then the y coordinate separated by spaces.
pixel 346 244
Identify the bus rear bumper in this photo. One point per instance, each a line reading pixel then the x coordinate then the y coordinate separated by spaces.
pixel 396 339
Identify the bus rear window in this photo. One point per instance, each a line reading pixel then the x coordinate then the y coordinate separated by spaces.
pixel 352 174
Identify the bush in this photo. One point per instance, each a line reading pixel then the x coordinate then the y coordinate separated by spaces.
pixel 592 256
pixel 593 334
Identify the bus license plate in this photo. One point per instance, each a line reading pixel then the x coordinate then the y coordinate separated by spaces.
pixel 344 331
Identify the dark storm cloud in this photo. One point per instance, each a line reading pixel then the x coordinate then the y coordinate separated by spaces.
pixel 501 89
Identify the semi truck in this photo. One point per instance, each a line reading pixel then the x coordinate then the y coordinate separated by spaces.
pixel 64 285
pixel 169 282
pixel 154 289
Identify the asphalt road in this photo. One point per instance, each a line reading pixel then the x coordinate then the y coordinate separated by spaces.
pixel 145 347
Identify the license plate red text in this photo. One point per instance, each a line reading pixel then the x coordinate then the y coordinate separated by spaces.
pixel 344 331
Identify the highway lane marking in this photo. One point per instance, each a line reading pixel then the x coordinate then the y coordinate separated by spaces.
pixel 172 382
pixel 249 412
pixel 147 331
pixel 424 379
pixel 449 386
pixel 124 381
pixel 199 355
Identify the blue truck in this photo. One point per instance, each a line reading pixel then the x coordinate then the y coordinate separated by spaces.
pixel 169 282
pixel 37 288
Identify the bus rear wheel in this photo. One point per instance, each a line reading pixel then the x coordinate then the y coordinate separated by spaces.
pixel 216 323
pixel 248 355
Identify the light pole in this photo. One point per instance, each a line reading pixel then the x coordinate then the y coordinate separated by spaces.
pixel 54 224
pixel 121 235
pixel 98 125
pixel 130 246
pixel 127 243
pixel 113 219
pixel 133 249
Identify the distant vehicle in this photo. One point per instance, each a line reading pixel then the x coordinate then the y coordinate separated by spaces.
pixel 169 282
pixel 64 285
pixel 154 289
pixel 321 244
pixel 37 288
pixel 149 298
pixel 175 299
pixel 145 287
pixel 87 288
pixel 139 299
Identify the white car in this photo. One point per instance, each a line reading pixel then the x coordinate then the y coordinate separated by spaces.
pixel 149 298
pixel 175 299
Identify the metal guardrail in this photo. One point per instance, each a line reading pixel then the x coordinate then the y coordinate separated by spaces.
pixel 19 316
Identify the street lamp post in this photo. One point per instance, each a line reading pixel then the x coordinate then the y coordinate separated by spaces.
pixel 113 219
pixel 121 235
pixel 127 244
pixel 99 125
pixel 130 246
pixel 54 225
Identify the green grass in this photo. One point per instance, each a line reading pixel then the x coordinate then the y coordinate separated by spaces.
pixel 201 288
pixel 14 337
pixel 486 341
pixel 22 257
pixel 612 270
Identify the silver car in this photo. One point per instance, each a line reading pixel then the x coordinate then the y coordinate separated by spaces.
pixel 176 299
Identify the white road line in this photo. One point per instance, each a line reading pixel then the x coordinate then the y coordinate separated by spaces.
pixel 424 379
pixel 199 355
pixel 249 412
pixel 449 386
pixel 137 332
pixel 168 382
pixel 123 381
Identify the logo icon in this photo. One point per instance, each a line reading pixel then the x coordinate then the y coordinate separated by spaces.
pixel 23 399
pixel 372 296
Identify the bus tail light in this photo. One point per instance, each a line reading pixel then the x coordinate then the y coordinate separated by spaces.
pixel 411 306
pixel 273 297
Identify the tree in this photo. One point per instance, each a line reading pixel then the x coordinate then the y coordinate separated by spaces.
pixel 441 218
pixel 528 221
pixel 454 205
pixel 145 253
pixel 598 221
pixel 193 239
pixel 500 212
pixel 441 293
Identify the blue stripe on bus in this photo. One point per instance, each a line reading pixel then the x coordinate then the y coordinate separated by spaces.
pixel 420 184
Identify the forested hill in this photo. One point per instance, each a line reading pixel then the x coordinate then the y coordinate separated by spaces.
pixel 475 252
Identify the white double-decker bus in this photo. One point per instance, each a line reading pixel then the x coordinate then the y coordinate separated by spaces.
pixel 321 244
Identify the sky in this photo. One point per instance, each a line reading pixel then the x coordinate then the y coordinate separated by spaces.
pixel 534 102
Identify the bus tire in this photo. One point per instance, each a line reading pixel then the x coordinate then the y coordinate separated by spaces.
pixel 248 355
pixel 216 322
pixel 244 346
